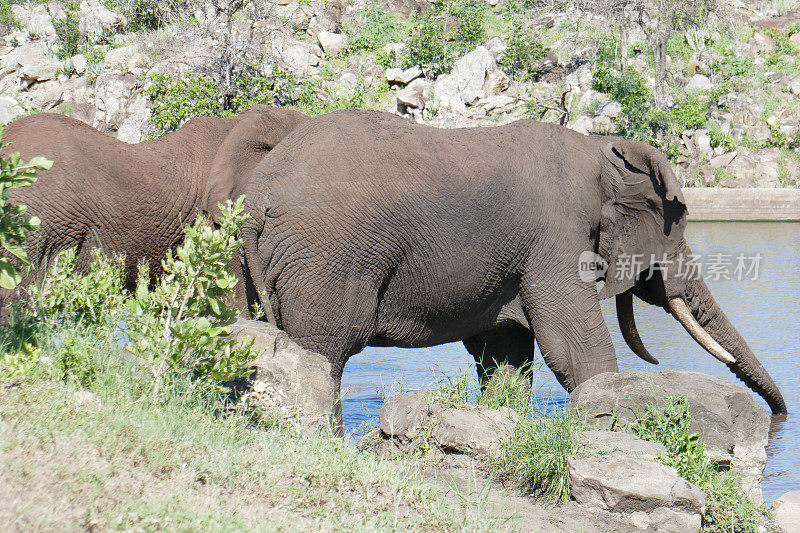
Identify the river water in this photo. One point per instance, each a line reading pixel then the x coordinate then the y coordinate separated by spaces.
pixel 764 305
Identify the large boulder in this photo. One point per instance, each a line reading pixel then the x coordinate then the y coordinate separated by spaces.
pixel 652 494
pixel 473 77
pixel 94 19
pixel 786 512
pixel 734 427
pixel 475 431
pixel 288 379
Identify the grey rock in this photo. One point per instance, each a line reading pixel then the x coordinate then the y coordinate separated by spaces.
pixel 118 57
pixel 331 43
pixel 722 161
pixel 622 484
pixel 9 109
pixel 404 77
pixel 80 64
pixel 295 55
pixel 414 95
pixel 473 431
pixel 612 109
pixel 698 83
pixel 136 124
pixel 786 511
pixel 38 21
pixel 496 45
pixel 467 81
pixel 403 414
pixel 94 19
pixel 31 62
pixel 582 124
pixel 112 92
pixel 732 424
pixel 608 442
pixel 702 142
pixel 346 86
pixel 294 379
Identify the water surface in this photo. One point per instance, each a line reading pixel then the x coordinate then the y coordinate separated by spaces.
pixel 764 309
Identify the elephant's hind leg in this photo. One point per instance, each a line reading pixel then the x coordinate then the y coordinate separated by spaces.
pixel 512 345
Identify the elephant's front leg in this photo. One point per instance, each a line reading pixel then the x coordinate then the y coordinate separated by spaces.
pixel 570 330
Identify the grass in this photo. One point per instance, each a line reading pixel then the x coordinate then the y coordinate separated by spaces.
pixel 113 460
pixel 727 509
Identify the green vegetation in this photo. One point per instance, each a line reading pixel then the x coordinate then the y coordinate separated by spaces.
pixel 67 31
pixel 444 33
pixel 522 58
pixel 14 225
pixel 7 19
pixel 374 28
pixel 144 14
pixel 727 509
pixel 173 102
pixel 535 456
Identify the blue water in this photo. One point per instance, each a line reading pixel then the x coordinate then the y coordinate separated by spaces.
pixel 765 310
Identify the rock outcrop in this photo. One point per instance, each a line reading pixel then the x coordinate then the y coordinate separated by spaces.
pixel 786 512
pixel 289 382
pixel 734 427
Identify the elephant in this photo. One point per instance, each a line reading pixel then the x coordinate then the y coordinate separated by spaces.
pixel 134 199
pixel 368 230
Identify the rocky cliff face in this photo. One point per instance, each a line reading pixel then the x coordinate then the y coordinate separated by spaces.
pixel 729 117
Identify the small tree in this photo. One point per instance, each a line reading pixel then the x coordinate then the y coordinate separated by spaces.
pixel 179 327
pixel 14 225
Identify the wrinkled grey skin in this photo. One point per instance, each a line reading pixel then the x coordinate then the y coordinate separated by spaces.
pixel 134 198
pixel 370 231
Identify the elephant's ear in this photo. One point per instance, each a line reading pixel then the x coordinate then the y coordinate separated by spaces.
pixel 643 213
pixel 258 131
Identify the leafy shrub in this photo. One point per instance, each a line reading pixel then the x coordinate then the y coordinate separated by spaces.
pixel 535 456
pixel 67 31
pixel 14 225
pixel 690 113
pixel 727 509
pixel 144 14
pixel 509 387
pixel 92 299
pixel 443 33
pixel 7 19
pixel 720 139
pixel 177 328
pixel 376 28
pixel 173 102
pixel 522 56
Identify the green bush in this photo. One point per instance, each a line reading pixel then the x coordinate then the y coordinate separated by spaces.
pixel 720 139
pixel 14 225
pixel 690 113
pixel 445 32
pixel 67 31
pixel 7 19
pixel 144 14
pixel 173 102
pixel 727 509
pixel 522 56
pixel 177 329
pixel 376 27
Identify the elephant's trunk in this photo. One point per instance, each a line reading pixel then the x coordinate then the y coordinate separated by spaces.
pixel 712 322
pixel 627 325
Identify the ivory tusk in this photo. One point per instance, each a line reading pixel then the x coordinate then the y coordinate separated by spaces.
pixel 627 325
pixel 683 315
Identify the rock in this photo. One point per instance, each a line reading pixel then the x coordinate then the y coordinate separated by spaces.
pixel 346 86
pixel 397 75
pixel 722 161
pixel 765 42
pixel 9 110
pixel 702 142
pixel 795 40
pixel 612 109
pixel 496 45
pixel 297 56
pixel 582 124
pixel 608 442
pixel 136 125
pixel 414 95
pixel 467 81
pixel 85 398
pixel 622 484
pixel 473 431
pixel 94 19
pixel 118 57
pixel 698 83
pixel 402 415
pixel 497 103
pixel 331 43
pixel 288 377
pixel 38 22
pixel 786 511
pixel 80 64
pixel 732 424
pixel 112 91
pixel 31 62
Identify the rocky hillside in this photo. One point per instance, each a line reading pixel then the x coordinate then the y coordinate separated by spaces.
pixel 716 88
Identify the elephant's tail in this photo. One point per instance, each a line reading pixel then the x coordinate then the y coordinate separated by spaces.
pixel 259 295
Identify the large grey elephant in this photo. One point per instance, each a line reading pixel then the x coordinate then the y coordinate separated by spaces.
pixel 134 198
pixel 368 230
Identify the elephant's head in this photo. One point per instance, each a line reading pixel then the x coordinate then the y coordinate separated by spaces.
pixel 641 236
pixel 258 130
